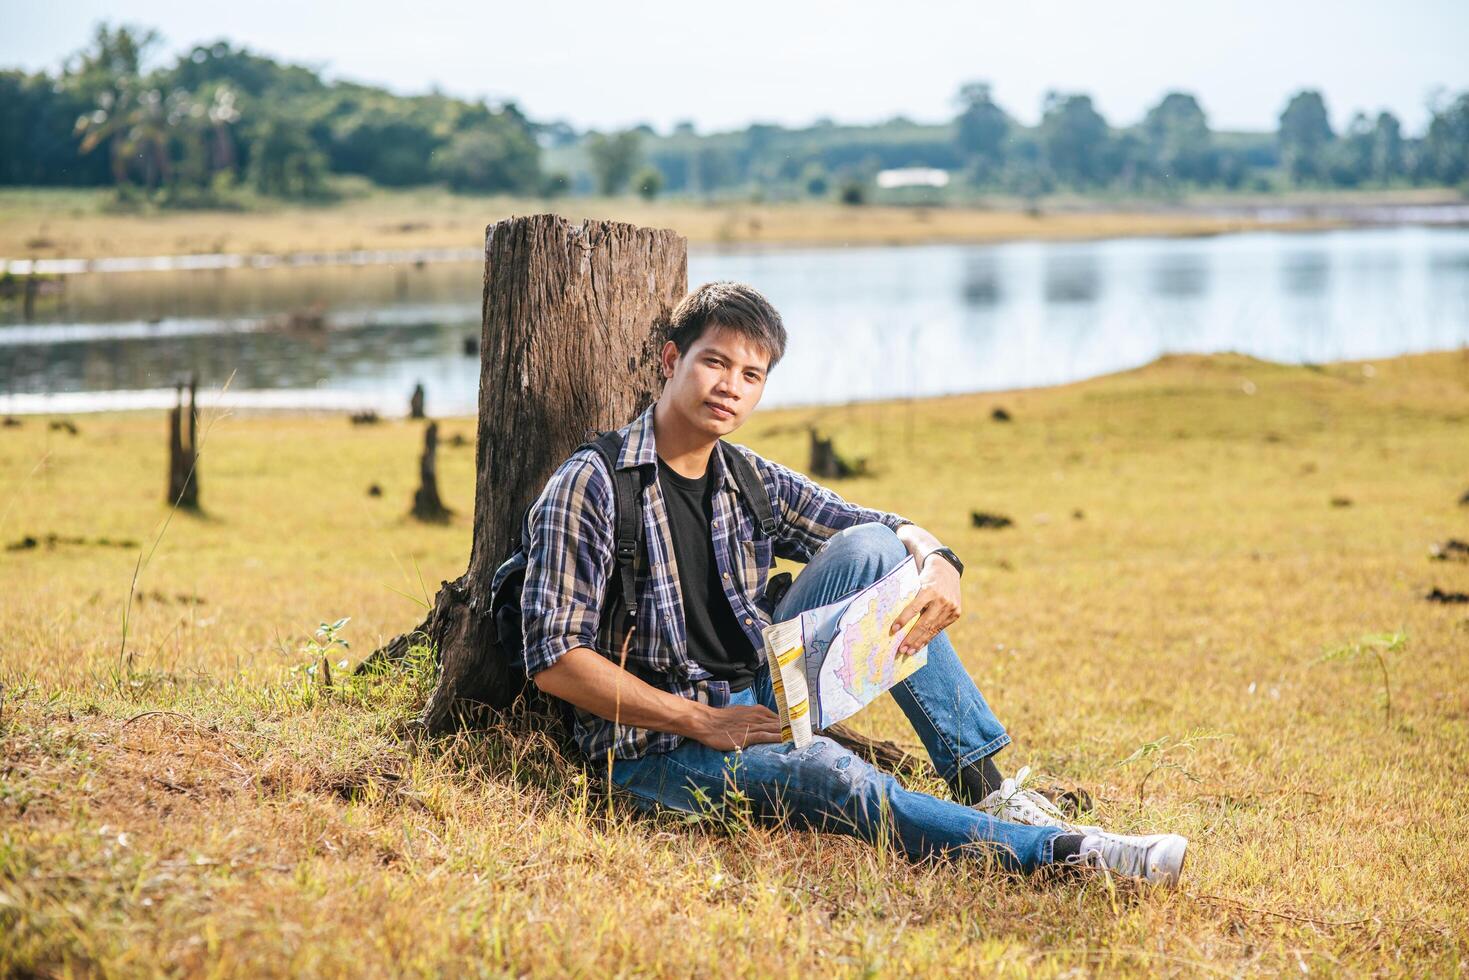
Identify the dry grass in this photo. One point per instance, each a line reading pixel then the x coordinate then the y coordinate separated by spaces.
pixel 72 224
pixel 191 806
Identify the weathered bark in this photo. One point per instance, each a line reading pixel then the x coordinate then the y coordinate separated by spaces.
pixel 573 318
pixel 426 503
pixel 183 462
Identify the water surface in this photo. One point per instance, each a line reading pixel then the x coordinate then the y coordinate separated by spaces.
pixel 863 322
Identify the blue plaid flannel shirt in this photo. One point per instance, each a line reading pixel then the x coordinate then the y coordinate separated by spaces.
pixel 568 545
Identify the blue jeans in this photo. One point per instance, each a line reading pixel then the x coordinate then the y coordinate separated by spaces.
pixel 828 787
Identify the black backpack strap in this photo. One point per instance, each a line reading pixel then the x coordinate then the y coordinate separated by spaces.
pixel 752 488
pixel 627 486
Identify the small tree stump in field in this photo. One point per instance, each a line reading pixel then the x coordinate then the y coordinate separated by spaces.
pixel 426 503
pixel 183 459
pixel 826 464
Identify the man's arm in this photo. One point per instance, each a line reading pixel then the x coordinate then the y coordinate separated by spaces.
pixel 568 561
pixel 938 603
pixel 809 513
pixel 593 683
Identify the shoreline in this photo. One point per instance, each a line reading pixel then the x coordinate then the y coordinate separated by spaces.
pixel 304 403
pixel 61 233
pixel 1283 222
pixel 359 258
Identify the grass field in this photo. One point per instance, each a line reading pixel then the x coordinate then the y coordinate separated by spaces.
pixel 75 224
pixel 1190 540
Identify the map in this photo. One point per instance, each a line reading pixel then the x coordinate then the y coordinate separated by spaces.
pixel 862 660
pixel 829 662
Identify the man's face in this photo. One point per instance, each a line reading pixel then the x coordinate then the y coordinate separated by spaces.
pixel 717 384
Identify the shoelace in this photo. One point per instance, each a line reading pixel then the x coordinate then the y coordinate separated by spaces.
pixel 1038 810
pixel 1121 857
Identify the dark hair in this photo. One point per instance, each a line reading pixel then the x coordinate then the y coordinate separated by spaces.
pixel 732 305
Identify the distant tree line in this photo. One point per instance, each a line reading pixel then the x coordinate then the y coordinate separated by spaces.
pixel 221 118
pixel 1074 148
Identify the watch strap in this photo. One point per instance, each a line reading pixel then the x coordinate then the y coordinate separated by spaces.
pixel 948 555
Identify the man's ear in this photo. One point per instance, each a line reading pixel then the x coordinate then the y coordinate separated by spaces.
pixel 668 358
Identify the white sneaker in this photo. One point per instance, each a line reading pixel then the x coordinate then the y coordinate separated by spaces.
pixel 1013 802
pixel 1154 858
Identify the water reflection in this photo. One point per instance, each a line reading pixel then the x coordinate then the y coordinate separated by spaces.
pixel 1305 272
pixel 981 286
pixel 285 359
pixel 1180 275
pixel 1072 275
pixel 235 294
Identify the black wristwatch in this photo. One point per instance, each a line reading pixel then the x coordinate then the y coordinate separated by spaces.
pixel 947 554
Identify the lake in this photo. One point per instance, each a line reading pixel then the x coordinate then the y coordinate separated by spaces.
pixel 864 323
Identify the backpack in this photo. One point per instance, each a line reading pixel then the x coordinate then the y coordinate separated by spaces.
pixel 627 492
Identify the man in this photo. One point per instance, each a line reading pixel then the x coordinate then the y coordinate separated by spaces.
pixel 678 703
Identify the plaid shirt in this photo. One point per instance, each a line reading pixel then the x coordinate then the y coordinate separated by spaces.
pixel 568 546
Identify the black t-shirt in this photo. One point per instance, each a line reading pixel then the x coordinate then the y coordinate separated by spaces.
pixel 716 641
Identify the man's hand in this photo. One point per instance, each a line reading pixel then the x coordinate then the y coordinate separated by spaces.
pixel 735 727
pixel 936 605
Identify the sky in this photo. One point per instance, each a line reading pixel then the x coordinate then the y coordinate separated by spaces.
pixel 609 64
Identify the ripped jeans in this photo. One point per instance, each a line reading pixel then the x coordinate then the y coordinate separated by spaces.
pixel 828 787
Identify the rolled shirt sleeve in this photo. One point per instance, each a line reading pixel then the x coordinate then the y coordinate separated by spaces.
pixel 810 513
pixel 569 555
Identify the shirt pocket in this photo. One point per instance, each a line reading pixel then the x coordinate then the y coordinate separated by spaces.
pixel 755 562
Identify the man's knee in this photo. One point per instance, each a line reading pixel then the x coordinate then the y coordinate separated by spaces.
pixel 840 788
pixel 875 546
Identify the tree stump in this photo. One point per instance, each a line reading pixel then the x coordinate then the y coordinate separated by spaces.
pixel 572 321
pixel 183 459
pixel 426 503
pixel 826 464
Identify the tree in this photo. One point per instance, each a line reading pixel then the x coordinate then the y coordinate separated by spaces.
pixel 38 143
pixel 114 60
pixel 614 158
pixel 648 183
pixel 814 180
pixel 1350 158
pixel 981 129
pixel 562 303
pixel 1446 144
pixel 285 162
pixel 133 122
pixel 252 75
pixel 128 114
pixel 1074 139
pixel 1179 146
pixel 1305 131
pixel 1387 148
pixel 387 140
pixel 490 159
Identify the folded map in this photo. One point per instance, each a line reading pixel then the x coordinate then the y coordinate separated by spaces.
pixel 828 662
